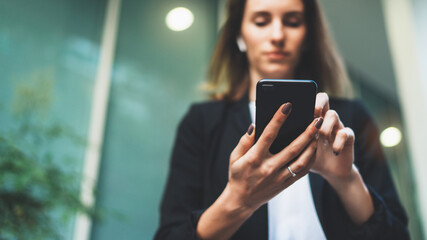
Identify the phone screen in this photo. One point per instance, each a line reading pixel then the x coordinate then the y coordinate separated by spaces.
pixel 271 94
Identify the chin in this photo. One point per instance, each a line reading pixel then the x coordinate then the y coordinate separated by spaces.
pixel 278 74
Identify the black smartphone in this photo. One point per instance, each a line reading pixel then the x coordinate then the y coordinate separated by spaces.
pixel 271 94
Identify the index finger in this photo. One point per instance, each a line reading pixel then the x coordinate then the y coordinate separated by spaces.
pixel 272 129
pixel 322 105
pixel 294 149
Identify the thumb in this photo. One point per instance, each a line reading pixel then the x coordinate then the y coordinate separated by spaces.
pixel 245 143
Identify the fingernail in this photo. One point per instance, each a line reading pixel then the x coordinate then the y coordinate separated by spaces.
pixel 336 153
pixel 250 129
pixel 319 123
pixel 287 108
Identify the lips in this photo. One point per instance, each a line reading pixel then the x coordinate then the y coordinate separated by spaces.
pixel 277 55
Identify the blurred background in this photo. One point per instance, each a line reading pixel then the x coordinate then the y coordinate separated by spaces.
pixel 91 93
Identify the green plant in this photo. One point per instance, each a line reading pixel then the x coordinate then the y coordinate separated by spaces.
pixel 35 188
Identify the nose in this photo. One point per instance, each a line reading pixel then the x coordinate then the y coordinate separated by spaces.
pixel 278 34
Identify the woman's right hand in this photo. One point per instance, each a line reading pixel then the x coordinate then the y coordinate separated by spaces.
pixel 256 175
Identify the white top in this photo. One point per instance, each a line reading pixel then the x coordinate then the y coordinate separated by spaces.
pixel 292 214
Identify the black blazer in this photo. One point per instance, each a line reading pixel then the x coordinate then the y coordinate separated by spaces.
pixel 199 172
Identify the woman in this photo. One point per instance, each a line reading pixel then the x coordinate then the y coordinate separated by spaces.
pixel 221 185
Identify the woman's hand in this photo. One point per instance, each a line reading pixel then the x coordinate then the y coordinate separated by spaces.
pixel 335 148
pixel 256 175
pixel 334 161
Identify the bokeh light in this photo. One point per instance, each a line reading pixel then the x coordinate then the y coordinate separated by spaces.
pixel 179 19
pixel 390 137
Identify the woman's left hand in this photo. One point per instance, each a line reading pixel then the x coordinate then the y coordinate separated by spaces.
pixel 335 147
pixel 334 162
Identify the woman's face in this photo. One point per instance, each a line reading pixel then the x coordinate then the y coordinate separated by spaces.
pixel 274 32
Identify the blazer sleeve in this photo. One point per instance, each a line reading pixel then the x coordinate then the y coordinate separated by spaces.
pixel 182 199
pixel 389 220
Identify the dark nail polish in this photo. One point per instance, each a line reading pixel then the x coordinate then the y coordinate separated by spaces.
pixel 336 153
pixel 250 129
pixel 287 108
pixel 319 123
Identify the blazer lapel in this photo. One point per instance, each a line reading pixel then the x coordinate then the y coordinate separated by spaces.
pixel 241 115
pixel 316 184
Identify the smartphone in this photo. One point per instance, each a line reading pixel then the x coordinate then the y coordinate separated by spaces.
pixel 271 94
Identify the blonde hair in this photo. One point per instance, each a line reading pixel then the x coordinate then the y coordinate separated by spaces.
pixel 320 60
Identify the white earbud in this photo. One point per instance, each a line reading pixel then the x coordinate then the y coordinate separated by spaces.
pixel 241 44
